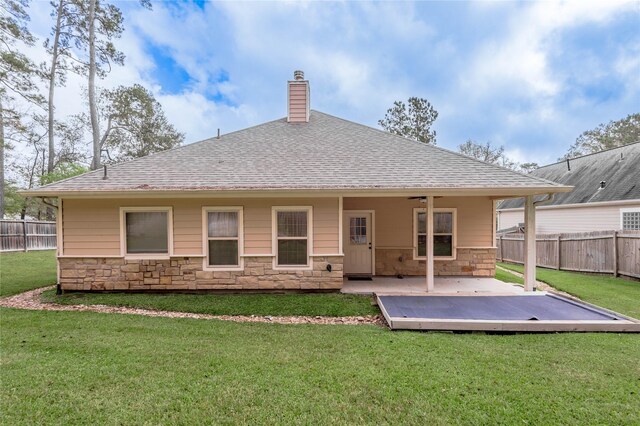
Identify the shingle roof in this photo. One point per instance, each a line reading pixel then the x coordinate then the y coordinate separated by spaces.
pixel 619 168
pixel 325 153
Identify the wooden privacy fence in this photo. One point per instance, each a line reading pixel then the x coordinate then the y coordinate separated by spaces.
pixel 25 235
pixel 606 252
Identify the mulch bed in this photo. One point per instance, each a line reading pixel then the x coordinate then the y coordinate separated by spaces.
pixel 31 300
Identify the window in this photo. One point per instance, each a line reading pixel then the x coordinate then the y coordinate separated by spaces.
pixel 292 235
pixel 146 231
pixel 630 219
pixel 223 235
pixel 443 233
pixel 358 230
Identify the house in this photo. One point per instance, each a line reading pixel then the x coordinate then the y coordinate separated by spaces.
pixel 606 195
pixel 293 204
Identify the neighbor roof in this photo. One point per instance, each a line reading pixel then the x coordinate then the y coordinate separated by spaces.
pixel 618 168
pixel 325 153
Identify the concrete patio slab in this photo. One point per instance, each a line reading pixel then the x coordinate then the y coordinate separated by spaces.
pixel 417 285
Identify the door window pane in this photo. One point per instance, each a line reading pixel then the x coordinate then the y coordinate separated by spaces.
pixel 292 252
pixel 223 252
pixel 223 224
pixel 146 232
pixel 358 230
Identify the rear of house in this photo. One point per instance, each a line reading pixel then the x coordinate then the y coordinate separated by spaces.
pixel 293 204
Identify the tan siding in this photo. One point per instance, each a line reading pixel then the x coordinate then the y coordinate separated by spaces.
pixel 394 219
pixel 92 227
pixel 566 220
pixel 298 102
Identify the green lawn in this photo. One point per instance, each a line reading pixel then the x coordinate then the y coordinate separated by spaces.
pixel 507 277
pixel 82 368
pixel 614 293
pixel 21 271
pixel 328 304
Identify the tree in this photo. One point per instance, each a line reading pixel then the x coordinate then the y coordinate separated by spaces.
pixel 494 155
pixel 606 136
pixel 528 167
pixel 135 124
pixel 103 24
pixel 413 122
pixel 66 34
pixel 483 152
pixel 17 75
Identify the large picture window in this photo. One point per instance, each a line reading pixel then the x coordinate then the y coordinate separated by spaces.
pixel 223 236
pixel 443 233
pixel 146 231
pixel 292 229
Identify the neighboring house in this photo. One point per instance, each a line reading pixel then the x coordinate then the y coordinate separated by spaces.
pixel 606 195
pixel 292 204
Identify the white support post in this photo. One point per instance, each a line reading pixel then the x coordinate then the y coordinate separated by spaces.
pixel 529 244
pixel 429 223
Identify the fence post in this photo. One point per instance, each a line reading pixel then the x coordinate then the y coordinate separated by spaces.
pixel 24 234
pixel 501 251
pixel 615 253
pixel 558 254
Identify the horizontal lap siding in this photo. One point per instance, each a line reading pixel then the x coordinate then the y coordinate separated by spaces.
pixel 567 220
pixel 297 102
pixel 92 227
pixel 394 219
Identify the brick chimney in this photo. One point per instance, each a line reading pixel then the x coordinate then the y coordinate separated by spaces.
pixel 298 99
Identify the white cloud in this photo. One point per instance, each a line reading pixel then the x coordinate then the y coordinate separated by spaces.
pixel 518 58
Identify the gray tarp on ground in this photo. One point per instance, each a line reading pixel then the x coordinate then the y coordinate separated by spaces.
pixel 509 308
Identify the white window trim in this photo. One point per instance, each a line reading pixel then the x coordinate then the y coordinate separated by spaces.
pixel 274 236
pixel 627 210
pixel 205 238
pixel 454 240
pixel 123 233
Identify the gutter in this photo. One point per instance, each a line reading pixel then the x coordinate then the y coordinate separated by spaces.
pixel 548 198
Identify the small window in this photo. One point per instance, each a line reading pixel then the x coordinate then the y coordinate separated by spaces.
pixel 358 230
pixel 292 237
pixel 223 237
pixel 631 220
pixel 443 233
pixel 146 232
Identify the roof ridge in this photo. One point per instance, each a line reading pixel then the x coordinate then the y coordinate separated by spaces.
pixel 443 149
pixel 591 153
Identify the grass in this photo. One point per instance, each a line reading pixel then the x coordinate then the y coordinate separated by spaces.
pixel 507 277
pixel 327 304
pixel 614 293
pixel 21 271
pixel 82 368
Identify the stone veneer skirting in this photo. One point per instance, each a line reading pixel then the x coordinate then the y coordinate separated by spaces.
pixel 476 262
pixel 187 274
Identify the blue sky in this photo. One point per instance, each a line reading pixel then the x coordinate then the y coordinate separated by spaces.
pixel 527 75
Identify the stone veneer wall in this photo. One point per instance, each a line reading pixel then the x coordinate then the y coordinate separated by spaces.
pixel 186 274
pixel 480 262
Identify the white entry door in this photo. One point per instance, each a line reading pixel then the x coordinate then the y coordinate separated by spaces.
pixel 358 243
